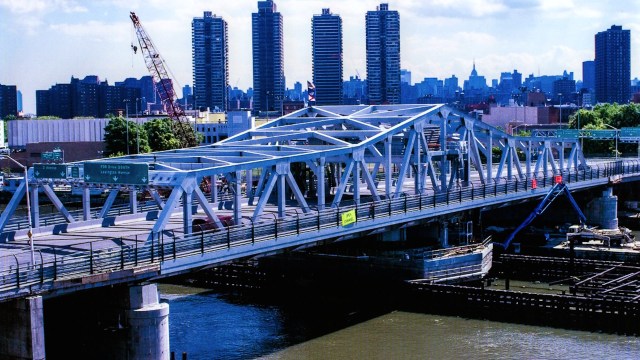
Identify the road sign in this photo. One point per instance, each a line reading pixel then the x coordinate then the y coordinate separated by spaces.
pixel 50 171
pixel 75 172
pixel 51 155
pixel 116 173
pixel 348 217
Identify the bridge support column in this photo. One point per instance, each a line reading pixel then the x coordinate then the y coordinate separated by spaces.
pixel 237 199
pixel 187 211
pixel 148 321
pixel 22 329
pixel 444 234
pixel 321 184
pixel 86 203
pixel 35 206
pixel 133 201
pixel 214 188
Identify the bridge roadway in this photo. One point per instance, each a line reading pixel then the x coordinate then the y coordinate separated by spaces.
pixel 93 256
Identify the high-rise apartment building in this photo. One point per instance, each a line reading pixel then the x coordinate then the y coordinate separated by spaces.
pixel 589 75
pixel 8 101
pixel 326 39
pixel 613 65
pixel 383 55
pixel 210 52
pixel 88 97
pixel 19 97
pixel 268 58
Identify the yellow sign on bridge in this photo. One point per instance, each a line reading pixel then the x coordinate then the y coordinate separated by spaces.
pixel 348 217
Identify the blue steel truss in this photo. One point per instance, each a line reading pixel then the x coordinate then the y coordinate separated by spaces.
pixel 322 157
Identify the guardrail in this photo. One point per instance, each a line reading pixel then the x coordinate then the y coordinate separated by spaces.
pixel 66 263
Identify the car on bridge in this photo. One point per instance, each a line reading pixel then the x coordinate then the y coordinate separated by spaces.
pixel 204 224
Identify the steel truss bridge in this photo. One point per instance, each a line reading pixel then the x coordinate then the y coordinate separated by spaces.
pixel 287 184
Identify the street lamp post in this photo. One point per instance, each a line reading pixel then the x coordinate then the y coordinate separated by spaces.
pixel 560 105
pixel 616 129
pixel 268 93
pixel 26 187
pixel 523 89
pixel 126 109
pixel 138 126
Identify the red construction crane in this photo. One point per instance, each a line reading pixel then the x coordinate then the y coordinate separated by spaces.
pixel 164 85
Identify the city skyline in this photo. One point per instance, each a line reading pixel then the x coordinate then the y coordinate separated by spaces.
pixel 438 38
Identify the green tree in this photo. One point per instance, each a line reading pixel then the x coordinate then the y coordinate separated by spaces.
pixel 115 137
pixel 605 116
pixel 161 135
pixel 165 134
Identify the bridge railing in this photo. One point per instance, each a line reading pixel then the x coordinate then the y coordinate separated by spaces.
pixel 109 255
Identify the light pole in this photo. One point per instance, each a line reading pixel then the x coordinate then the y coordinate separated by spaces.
pixel 523 89
pixel 581 139
pixel 126 109
pixel 26 189
pixel 616 129
pixel 138 126
pixel 560 106
pixel 268 93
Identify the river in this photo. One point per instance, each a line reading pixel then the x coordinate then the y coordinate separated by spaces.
pixel 210 325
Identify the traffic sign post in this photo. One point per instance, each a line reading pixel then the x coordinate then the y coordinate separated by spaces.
pixel 116 173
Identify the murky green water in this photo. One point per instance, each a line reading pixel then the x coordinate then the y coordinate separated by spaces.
pixel 209 325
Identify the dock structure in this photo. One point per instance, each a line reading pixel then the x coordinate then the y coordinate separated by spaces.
pixel 600 296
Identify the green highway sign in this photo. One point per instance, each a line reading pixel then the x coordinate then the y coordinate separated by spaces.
pixel 50 171
pixel 51 155
pixel 116 173
pixel 75 172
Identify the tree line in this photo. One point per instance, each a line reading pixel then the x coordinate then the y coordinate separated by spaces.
pixel 153 135
pixel 606 117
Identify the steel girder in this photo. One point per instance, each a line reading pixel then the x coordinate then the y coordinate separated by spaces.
pixel 378 151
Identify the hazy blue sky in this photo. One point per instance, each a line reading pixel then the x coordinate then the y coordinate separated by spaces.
pixel 44 42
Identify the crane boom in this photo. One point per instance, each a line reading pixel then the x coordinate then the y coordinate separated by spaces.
pixel 164 85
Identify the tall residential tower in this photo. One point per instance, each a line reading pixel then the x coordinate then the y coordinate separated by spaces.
pixel 326 38
pixel 268 58
pixel 383 55
pixel 210 61
pixel 613 65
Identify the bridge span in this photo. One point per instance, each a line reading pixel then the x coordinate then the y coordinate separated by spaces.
pixel 318 175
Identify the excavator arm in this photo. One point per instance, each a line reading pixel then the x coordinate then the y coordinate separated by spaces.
pixel 557 190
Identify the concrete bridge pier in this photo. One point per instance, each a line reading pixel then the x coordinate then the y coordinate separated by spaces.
pixel 603 211
pixel 148 322
pixel 22 329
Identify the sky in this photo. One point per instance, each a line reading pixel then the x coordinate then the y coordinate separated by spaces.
pixel 44 42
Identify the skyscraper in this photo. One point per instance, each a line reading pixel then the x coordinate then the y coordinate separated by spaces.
pixel 613 65
pixel 326 39
pixel 19 97
pixel 589 75
pixel 268 57
pixel 8 101
pixel 210 61
pixel 383 55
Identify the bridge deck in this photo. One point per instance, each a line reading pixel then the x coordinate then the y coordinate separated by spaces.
pixel 94 256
